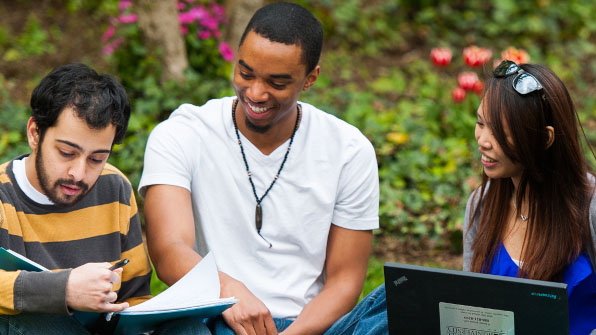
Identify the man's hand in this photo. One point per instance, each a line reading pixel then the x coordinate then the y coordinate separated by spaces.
pixel 89 288
pixel 249 316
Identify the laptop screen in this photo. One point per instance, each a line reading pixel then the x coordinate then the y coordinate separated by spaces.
pixel 423 300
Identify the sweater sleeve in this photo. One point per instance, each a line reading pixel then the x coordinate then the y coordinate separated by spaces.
pixel 24 291
pixel 470 229
pixel 136 275
pixel 41 292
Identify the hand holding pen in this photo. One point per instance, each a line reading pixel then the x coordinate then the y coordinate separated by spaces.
pixel 90 287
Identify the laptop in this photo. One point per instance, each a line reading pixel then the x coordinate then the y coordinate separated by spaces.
pixel 423 300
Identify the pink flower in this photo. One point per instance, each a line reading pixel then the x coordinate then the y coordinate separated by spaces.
pixel 108 34
pixel 467 80
pixel 458 94
pixel 226 52
pixel 441 56
pixel 209 23
pixel 199 13
pixel 203 34
pixel 519 56
pixel 127 18
pixel 475 56
pixel 124 5
pixel 218 10
pixel 109 48
pixel 216 33
pixel 185 18
pixel 181 6
pixel 183 29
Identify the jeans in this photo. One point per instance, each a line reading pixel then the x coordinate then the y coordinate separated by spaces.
pixel 24 324
pixel 369 317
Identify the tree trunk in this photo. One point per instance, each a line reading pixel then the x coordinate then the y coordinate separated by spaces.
pixel 159 24
pixel 239 13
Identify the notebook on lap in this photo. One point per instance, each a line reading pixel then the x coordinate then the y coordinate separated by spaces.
pixel 423 300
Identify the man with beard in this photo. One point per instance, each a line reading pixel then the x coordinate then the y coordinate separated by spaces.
pixel 65 208
pixel 290 229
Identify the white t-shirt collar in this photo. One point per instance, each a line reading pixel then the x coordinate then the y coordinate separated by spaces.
pixel 20 174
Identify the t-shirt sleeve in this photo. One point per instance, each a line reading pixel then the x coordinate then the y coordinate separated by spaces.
pixel 167 159
pixel 357 203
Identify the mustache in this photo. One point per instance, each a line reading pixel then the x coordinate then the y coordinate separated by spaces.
pixel 79 184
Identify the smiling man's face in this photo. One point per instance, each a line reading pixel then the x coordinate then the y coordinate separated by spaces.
pixel 268 80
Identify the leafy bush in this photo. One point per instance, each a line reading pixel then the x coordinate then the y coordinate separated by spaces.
pixel 13 121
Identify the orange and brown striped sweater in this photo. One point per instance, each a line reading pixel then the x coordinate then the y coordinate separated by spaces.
pixel 102 227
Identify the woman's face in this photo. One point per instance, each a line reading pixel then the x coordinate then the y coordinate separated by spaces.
pixel 496 163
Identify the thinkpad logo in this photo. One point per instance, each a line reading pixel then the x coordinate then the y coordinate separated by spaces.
pixel 400 280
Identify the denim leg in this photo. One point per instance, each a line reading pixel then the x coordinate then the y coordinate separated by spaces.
pixel 369 317
pixel 219 326
pixel 190 326
pixel 23 324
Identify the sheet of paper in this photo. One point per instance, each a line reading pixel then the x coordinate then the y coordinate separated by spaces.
pixel 198 287
pixel 460 319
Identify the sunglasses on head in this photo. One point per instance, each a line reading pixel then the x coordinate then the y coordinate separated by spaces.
pixel 523 82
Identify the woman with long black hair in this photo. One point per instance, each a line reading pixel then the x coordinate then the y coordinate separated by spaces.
pixel 534 216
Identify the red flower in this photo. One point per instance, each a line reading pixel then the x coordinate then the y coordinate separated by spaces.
pixel 467 80
pixel 475 56
pixel 519 56
pixel 478 88
pixel 441 56
pixel 458 94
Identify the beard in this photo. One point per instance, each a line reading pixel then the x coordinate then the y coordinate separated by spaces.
pixel 254 127
pixel 52 191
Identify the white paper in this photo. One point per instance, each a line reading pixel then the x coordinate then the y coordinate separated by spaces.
pixel 199 287
pixel 461 319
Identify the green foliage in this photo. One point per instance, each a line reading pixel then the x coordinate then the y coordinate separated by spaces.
pixel 13 121
pixel 33 41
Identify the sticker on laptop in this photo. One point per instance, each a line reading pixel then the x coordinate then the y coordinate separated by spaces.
pixel 469 320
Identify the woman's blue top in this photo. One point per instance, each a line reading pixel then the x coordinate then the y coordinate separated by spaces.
pixel 581 288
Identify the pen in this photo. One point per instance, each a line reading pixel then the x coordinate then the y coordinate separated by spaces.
pixel 119 264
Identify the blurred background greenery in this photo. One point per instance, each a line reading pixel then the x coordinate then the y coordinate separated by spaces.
pixel 376 73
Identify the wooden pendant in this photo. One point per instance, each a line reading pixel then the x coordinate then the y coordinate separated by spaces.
pixel 259 218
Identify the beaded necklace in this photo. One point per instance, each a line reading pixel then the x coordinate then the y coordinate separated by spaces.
pixel 259 208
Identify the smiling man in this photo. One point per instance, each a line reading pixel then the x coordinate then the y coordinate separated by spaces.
pixel 65 208
pixel 284 194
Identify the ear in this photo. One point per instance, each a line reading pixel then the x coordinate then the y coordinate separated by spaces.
pixel 551 136
pixel 311 78
pixel 32 134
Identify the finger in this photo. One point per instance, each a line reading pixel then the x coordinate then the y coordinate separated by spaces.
pixel 114 307
pixel 111 297
pixel 114 277
pixel 104 265
pixel 270 326
pixel 249 328
pixel 237 328
pixel 259 326
pixel 118 270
